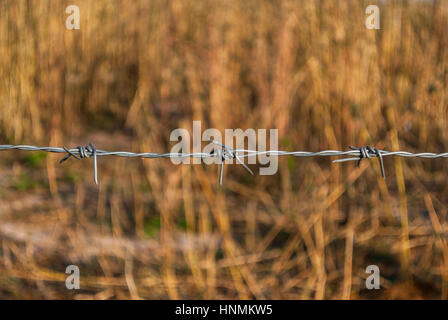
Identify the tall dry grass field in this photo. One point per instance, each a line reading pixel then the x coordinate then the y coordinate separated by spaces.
pixel 136 70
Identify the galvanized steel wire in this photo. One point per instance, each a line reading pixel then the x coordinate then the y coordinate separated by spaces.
pixel 225 152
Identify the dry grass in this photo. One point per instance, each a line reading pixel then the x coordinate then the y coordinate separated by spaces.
pixel 138 69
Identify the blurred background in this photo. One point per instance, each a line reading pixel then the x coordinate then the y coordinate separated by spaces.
pixel 136 70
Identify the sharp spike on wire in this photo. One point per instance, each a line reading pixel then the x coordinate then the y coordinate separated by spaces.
pixel 366 153
pixel 227 152
pixel 69 154
pixel 243 164
pixel 380 158
pixel 95 163
pixel 221 171
pixel 84 153
pixel 221 155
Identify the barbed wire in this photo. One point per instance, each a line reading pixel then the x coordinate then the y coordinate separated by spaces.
pixel 224 152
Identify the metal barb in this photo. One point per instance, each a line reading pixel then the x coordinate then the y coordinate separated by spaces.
pixel 84 153
pixel 366 152
pixel 227 152
pixel 95 162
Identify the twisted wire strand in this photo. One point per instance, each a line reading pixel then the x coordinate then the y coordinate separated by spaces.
pixel 242 153
pixel 225 152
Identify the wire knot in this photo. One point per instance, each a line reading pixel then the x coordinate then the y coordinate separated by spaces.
pixel 83 153
pixel 366 152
